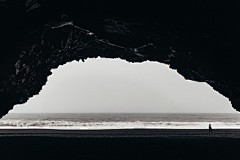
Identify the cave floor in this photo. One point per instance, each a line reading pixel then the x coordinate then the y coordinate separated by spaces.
pixel 119 144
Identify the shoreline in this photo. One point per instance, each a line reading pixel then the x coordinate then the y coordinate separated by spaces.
pixel 110 128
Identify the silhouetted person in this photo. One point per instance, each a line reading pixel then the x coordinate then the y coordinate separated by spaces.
pixel 210 129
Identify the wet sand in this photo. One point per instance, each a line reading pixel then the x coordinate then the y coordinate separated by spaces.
pixel 162 144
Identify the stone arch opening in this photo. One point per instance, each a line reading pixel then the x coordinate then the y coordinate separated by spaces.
pixel 116 86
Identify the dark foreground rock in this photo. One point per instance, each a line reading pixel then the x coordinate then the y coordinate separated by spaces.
pixel 119 144
pixel 198 39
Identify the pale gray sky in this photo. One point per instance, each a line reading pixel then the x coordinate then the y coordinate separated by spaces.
pixel 114 85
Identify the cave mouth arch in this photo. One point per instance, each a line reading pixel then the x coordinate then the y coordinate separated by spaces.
pixel 114 85
pixel 61 42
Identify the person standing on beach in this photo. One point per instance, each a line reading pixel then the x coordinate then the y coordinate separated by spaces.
pixel 210 129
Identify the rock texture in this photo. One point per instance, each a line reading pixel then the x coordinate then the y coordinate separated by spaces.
pixel 198 39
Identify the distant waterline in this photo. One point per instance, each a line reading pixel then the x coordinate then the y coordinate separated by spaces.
pixel 84 121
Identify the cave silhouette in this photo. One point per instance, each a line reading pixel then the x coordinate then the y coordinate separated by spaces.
pixel 198 39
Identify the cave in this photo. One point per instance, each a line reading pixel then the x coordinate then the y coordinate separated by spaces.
pixel 197 39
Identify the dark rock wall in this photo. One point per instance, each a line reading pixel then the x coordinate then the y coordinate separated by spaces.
pixel 198 39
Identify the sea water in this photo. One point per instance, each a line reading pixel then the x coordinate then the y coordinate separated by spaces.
pixel 84 121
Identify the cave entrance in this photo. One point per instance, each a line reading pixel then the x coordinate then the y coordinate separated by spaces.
pixel 116 86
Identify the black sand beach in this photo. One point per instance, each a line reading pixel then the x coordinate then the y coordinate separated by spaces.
pixel 162 144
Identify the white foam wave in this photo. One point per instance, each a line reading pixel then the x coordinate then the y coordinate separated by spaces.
pixel 114 125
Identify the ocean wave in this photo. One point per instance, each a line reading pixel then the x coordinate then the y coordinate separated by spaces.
pixel 115 125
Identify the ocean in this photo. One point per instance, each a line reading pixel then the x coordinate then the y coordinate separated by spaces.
pixel 92 121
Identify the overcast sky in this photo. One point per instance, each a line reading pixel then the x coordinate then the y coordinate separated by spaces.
pixel 114 85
